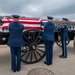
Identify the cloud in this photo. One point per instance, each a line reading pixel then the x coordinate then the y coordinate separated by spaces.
pixel 39 8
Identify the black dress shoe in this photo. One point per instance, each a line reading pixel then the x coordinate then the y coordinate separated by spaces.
pixel 18 70
pixel 47 63
pixel 14 70
pixel 62 56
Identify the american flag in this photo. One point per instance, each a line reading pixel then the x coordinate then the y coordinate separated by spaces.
pixel 29 23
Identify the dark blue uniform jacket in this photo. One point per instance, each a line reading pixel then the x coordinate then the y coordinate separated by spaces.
pixel 48 33
pixel 15 35
pixel 63 32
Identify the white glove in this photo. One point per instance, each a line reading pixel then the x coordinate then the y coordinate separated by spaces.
pixel 40 19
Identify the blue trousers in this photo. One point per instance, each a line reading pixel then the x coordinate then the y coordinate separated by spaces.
pixel 15 58
pixel 64 49
pixel 49 51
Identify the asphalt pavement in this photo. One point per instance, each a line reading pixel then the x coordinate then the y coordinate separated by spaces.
pixel 60 66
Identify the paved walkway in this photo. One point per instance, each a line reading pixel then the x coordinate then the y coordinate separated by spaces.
pixel 59 67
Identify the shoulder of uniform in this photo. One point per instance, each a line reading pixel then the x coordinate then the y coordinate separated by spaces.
pixel 10 23
pixel 22 25
pixel 64 26
pixel 51 23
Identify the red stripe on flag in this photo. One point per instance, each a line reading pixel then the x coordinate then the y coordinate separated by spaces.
pixel 23 22
pixel 4 27
pixel 25 28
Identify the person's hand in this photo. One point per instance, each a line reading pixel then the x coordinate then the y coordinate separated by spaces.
pixel 40 19
pixel 55 29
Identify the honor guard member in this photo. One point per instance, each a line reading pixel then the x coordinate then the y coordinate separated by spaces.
pixel 64 37
pixel 15 42
pixel 0 22
pixel 0 27
pixel 48 37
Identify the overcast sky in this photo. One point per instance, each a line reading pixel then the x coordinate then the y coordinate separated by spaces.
pixel 39 8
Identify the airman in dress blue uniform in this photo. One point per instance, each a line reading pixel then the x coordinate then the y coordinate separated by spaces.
pixel 48 37
pixel 15 42
pixel 64 37
pixel 0 22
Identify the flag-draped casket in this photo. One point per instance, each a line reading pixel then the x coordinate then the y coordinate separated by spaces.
pixel 29 23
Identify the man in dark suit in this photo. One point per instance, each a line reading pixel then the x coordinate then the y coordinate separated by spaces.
pixel 48 37
pixel 15 42
pixel 64 37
